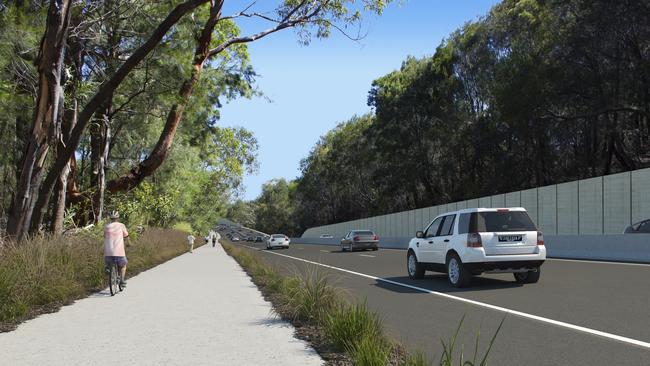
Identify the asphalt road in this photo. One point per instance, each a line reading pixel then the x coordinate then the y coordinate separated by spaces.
pixel 580 313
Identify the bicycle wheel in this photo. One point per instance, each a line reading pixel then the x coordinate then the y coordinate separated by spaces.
pixel 119 277
pixel 113 279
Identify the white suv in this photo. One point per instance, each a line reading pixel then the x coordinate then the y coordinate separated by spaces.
pixel 473 241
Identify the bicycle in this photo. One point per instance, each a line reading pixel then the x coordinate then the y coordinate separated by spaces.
pixel 114 280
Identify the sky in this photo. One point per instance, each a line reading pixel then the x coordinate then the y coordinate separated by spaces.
pixel 308 90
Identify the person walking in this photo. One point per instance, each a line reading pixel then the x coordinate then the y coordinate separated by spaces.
pixel 216 238
pixel 190 242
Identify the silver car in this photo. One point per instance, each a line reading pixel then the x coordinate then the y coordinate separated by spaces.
pixel 360 239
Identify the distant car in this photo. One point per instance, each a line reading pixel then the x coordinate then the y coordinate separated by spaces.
pixel 258 239
pixel 250 238
pixel 326 236
pixel 472 241
pixel 641 227
pixel 235 238
pixel 360 239
pixel 277 240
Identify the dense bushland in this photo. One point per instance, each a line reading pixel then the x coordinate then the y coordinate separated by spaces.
pixel 534 93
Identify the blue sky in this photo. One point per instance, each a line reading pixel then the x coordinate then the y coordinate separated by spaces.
pixel 313 88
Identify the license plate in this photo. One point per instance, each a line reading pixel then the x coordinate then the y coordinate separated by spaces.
pixel 509 238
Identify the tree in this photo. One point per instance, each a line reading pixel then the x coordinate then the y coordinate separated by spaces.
pixel 310 18
pixel 274 208
pixel 534 93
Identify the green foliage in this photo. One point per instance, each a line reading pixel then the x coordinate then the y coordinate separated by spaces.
pixel 416 359
pixel 309 297
pixel 447 358
pixel 369 351
pixel 274 208
pixel 348 325
pixel 541 91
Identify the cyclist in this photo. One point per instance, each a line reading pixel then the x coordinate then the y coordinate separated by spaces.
pixel 114 234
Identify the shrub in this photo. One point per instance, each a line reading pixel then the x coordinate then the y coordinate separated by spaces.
pixel 347 325
pixel 370 351
pixel 309 297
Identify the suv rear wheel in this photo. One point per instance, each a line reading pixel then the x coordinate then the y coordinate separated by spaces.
pixel 456 273
pixel 414 268
pixel 528 277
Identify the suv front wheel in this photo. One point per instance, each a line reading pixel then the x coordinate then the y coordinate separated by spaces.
pixel 456 273
pixel 414 268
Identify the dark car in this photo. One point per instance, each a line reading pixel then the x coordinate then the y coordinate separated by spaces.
pixel 250 238
pixel 258 239
pixel 641 227
pixel 360 239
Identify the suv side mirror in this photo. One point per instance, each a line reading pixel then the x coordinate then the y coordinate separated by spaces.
pixel 419 235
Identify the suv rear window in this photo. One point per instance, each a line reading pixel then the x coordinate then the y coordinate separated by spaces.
pixel 278 236
pixel 491 221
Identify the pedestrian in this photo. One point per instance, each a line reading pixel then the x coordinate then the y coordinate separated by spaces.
pixel 190 241
pixel 215 238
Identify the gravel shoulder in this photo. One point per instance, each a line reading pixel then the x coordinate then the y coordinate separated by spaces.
pixel 197 309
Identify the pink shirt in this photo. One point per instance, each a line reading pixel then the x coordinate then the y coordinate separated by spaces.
pixel 114 234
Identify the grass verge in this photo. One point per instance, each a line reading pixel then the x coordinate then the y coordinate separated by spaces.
pixel 342 331
pixel 44 273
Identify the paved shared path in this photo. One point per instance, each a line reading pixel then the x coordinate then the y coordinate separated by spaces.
pixel 197 309
pixel 580 312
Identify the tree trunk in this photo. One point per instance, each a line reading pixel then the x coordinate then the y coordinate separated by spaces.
pixel 99 142
pixel 43 130
pixel 62 184
pixel 105 90
pixel 160 152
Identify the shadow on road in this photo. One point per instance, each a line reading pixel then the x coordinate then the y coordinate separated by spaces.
pixel 438 283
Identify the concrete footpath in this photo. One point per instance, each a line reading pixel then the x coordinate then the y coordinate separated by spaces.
pixel 197 309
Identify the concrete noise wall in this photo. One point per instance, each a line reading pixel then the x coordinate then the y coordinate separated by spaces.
pixel 595 206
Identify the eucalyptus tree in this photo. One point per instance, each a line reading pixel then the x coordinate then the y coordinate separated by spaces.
pixel 215 36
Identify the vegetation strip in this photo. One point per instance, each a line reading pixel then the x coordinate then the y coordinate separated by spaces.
pixel 44 273
pixel 341 331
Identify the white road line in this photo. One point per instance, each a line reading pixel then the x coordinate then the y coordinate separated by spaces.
pixel 578 328
pixel 598 262
pixel 366 255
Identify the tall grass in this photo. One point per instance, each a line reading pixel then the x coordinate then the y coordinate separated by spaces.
pixel 309 297
pixel 349 324
pixel 43 273
pixel 447 358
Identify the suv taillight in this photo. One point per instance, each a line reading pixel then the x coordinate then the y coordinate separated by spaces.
pixel 540 238
pixel 375 237
pixel 474 240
